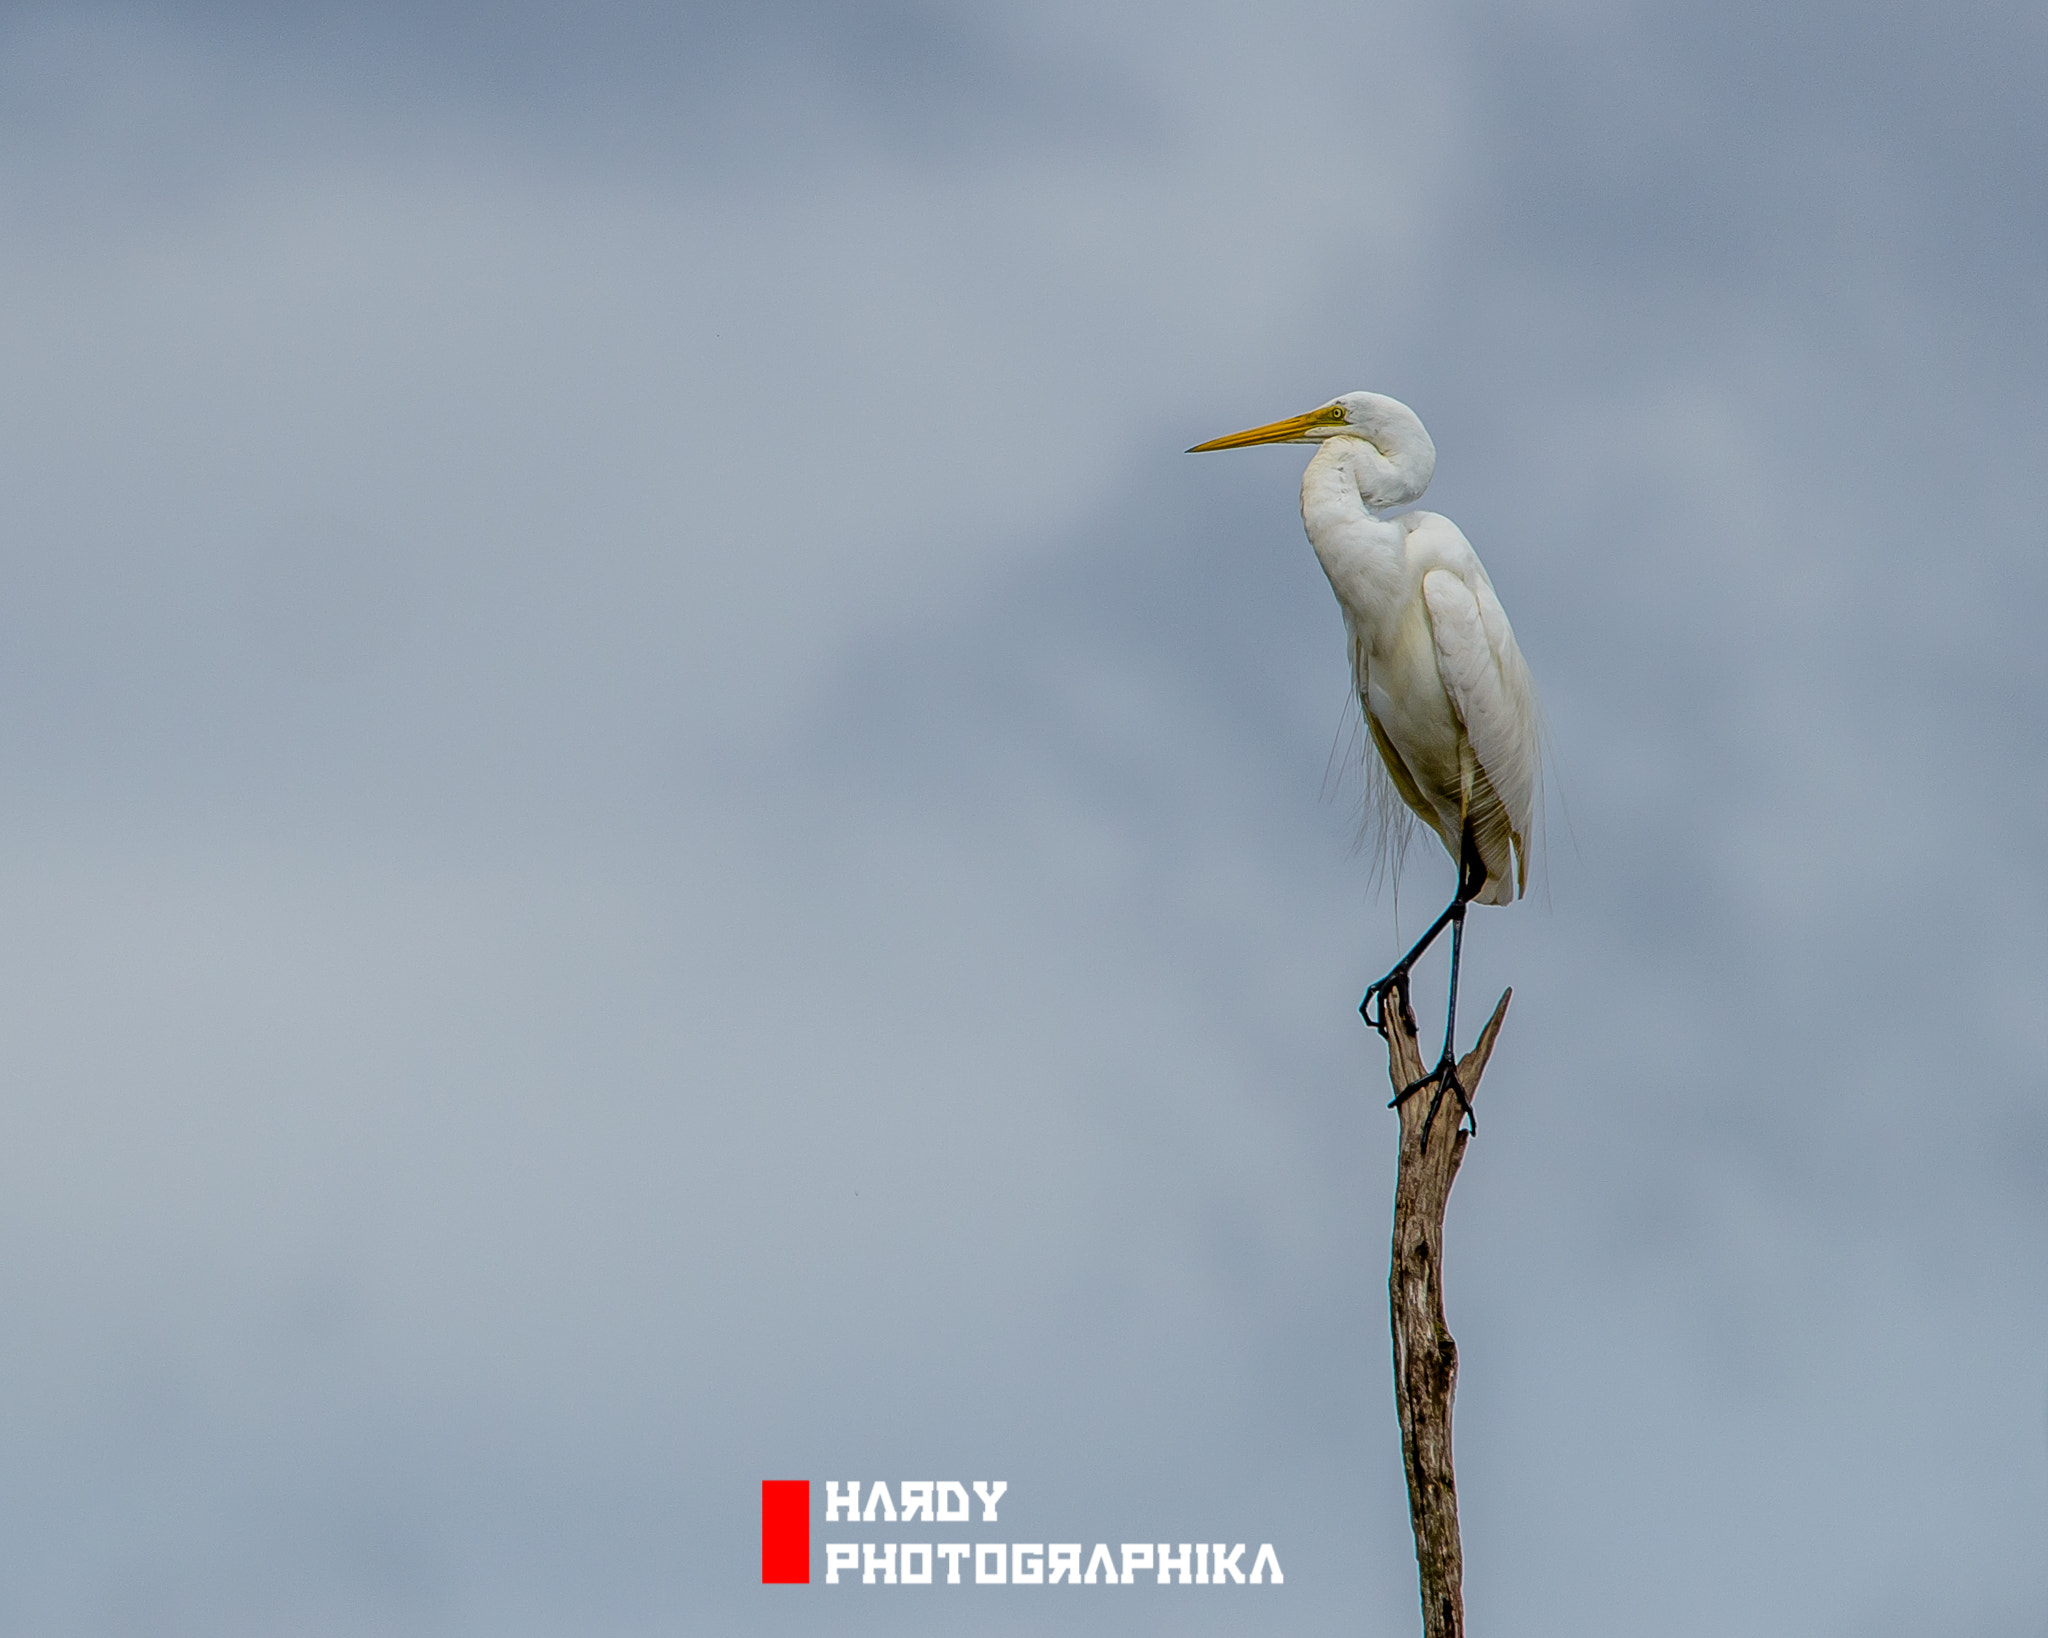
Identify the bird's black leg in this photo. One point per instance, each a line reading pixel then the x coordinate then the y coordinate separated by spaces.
pixel 1471 878
pixel 1397 979
pixel 1446 1072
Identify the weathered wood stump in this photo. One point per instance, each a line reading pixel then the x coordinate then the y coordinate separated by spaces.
pixel 1425 1356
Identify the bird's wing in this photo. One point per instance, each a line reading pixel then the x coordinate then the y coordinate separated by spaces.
pixel 1489 687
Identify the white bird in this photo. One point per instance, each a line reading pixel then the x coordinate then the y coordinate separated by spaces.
pixel 1446 694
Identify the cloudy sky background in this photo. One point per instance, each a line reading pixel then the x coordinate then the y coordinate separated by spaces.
pixel 654 836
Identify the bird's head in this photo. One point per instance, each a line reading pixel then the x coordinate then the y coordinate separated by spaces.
pixel 1390 430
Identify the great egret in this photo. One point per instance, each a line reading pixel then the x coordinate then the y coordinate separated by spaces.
pixel 1446 694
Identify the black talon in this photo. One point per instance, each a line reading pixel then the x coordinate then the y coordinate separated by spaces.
pixel 1394 984
pixel 1445 1077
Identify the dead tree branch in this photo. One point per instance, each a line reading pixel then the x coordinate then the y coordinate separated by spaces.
pixel 1425 1357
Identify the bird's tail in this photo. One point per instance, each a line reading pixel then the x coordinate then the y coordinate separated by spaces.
pixel 1503 847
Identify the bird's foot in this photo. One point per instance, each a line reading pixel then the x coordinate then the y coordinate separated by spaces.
pixel 1373 1009
pixel 1445 1079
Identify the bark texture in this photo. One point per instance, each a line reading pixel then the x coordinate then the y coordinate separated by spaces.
pixel 1425 1357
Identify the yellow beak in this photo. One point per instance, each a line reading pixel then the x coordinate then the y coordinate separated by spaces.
pixel 1294 430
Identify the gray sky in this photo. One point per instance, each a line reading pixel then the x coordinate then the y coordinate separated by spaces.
pixel 655 837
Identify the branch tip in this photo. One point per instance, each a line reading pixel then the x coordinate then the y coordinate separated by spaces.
pixel 1473 1064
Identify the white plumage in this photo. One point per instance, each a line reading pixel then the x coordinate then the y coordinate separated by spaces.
pixel 1446 695
pixel 1445 691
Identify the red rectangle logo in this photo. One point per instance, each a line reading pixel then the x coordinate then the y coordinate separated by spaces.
pixel 785 1530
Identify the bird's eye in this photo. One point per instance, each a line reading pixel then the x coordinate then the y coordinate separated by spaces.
pixel 1334 413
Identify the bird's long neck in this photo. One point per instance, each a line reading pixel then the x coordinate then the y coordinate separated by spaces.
pixel 1365 556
